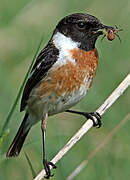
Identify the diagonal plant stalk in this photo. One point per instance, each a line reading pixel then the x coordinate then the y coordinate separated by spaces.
pixel 30 165
pixel 20 91
pixel 89 124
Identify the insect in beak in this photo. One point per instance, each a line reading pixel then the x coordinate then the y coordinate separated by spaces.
pixel 111 32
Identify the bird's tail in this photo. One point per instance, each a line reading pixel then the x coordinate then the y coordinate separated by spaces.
pixel 19 139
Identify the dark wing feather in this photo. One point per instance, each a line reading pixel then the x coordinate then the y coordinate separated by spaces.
pixel 44 62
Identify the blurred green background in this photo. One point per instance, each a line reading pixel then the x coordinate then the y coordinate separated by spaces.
pixel 22 24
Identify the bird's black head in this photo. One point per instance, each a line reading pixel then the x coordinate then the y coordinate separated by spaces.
pixel 82 28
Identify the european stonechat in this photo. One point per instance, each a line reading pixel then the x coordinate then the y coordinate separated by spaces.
pixel 61 76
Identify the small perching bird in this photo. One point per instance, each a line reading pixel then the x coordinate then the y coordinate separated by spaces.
pixel 61 76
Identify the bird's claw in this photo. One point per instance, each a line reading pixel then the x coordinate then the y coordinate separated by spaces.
pixel 96 115
pixel 47 168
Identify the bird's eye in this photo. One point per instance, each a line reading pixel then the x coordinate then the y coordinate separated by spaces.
pixel 81 25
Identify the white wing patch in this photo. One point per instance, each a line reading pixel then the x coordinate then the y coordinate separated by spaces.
pixel 37 67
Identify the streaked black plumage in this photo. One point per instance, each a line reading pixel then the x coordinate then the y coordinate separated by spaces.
pixel 44 62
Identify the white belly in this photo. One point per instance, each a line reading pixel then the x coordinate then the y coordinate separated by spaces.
pixel 53 104
pixel 65 102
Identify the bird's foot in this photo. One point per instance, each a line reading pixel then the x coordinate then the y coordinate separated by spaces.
pixel 91 116
pixel 47 168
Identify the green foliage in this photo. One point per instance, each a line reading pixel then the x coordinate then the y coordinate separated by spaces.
pixel 3 137
pixel 2 140
pixel 22 23
pixel 20 92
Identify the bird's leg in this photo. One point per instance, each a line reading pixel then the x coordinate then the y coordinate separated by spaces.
pixel 89 115
pixel 45 162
